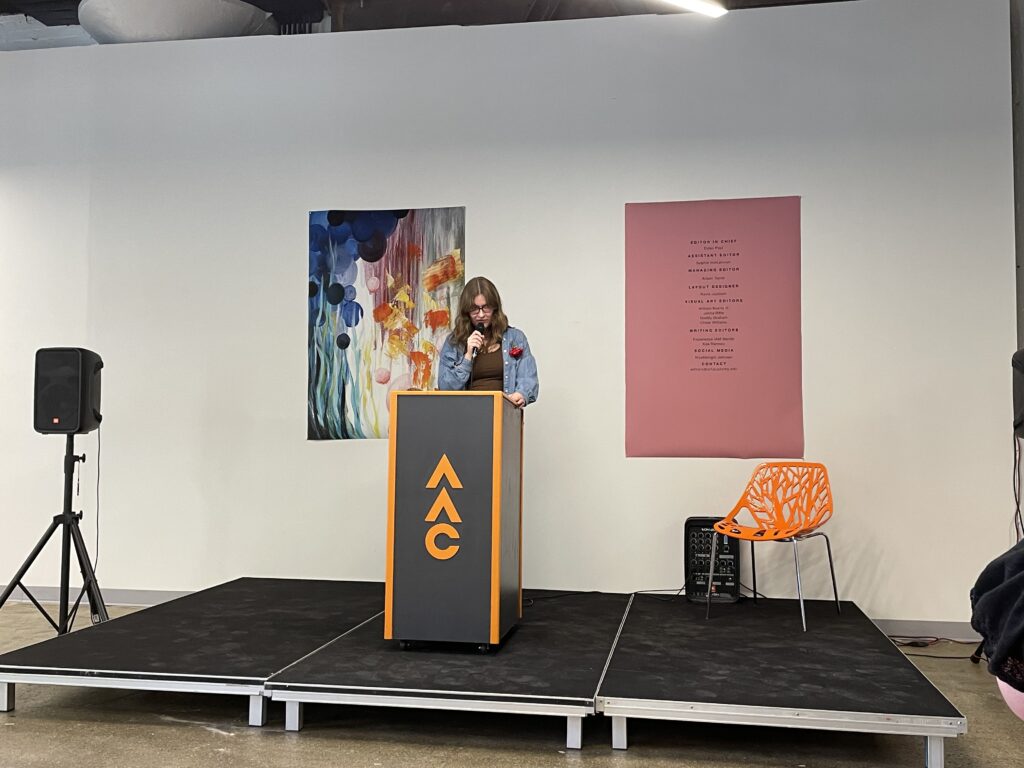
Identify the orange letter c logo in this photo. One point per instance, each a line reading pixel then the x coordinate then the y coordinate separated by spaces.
pixel 441 529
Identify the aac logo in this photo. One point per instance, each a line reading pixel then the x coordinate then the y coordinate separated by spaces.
pixel 443 503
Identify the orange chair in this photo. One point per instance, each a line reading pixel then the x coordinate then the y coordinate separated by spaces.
pixel 788 501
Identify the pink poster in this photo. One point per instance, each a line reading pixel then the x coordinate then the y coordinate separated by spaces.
pixel 713 365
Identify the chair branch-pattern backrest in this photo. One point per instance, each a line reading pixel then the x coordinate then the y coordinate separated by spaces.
pixel 786 498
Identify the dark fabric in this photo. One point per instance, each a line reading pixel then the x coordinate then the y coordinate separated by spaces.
pixel 488 372
pixel 998 603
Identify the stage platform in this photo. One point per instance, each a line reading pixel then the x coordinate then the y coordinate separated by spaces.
pixel 751 664
pixel 227 639
pixel 550 665
pixel 573 655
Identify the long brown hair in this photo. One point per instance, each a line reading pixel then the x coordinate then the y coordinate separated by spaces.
pixel 479 286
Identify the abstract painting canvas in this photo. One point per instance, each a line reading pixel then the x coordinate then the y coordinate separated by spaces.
pixel 384 288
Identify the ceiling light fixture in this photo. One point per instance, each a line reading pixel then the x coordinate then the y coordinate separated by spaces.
pixel 707 7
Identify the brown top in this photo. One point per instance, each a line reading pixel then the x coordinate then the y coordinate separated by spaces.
pixel 488 372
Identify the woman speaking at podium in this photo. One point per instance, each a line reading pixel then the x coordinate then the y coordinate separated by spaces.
pixel 485 353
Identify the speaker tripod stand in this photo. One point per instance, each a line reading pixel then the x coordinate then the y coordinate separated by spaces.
pixel 67 521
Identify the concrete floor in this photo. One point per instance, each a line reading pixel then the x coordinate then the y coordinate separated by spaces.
pixel 89 728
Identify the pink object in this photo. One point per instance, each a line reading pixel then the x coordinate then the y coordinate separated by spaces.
pixel 1014 699
pixel 372 284
pixel 713 350
pixel 382 376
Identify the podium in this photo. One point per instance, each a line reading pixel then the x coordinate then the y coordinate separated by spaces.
pixel 454 566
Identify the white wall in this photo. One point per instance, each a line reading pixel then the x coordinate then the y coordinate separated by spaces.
pixel 154 202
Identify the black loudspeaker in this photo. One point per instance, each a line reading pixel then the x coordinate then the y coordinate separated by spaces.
pixel 67 391
pixel 1017 363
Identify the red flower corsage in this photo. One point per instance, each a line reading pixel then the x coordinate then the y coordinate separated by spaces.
pixel 515 352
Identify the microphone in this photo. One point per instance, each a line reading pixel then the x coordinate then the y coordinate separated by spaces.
pixel 480 328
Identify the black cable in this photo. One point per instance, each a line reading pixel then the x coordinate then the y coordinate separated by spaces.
pixel 681 591
pixel 1018 521
pixel 749 589
pixel 99 455
pixel 925 641
pixel 906 642
pixel 529 601
pixel 73 614
pixel 929 656
pixel 668 599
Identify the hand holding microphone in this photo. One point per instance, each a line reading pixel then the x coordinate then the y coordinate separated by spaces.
pixel 475 341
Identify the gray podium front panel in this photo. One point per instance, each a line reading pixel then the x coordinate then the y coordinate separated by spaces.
pixel 444 595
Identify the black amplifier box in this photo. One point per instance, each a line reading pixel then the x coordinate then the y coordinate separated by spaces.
pixel 697 533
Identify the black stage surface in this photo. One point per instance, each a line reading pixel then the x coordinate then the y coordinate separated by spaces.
pixel 551 664
pixel 556 654
pixel 756 655
pixel 243 631
pixel 573 655
pixel 751 664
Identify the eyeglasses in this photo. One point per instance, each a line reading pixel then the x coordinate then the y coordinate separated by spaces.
pixel 486 309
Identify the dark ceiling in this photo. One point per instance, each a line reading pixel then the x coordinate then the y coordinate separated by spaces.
pixel 387 14
pixel 64 12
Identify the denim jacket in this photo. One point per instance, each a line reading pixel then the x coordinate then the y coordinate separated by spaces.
pixel 520 373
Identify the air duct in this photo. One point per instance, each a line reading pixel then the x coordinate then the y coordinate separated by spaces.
pixel 142 21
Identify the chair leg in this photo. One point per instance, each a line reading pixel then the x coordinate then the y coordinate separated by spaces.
pixel 832 568
pixel 753 570
pixel 799 586
pixel 711 572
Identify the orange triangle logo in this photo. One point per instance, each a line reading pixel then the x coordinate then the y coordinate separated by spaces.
pixel 443 503
pixel 444 469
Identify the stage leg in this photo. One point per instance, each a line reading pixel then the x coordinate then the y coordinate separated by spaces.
pixel 618 732
pixel 934 751
pixel 6 697
pixel 258 710
pixel 574 732
pixel 293 715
